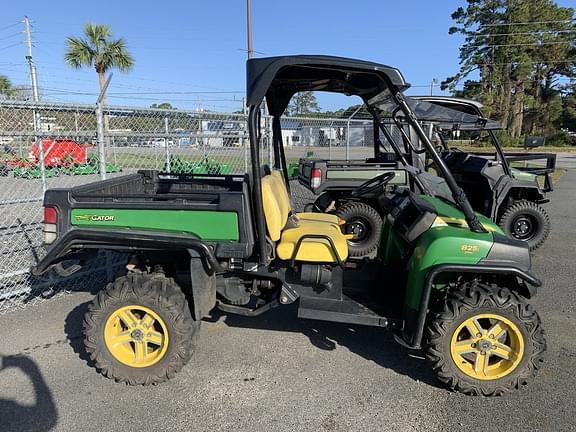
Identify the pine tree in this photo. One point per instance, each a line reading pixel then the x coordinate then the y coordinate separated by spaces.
pixel 303 103
pixel 520 48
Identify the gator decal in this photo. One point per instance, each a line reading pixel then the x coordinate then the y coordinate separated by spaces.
pixel 204 224
pixel 94 218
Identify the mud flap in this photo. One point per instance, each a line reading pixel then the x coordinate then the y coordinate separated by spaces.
pixel 203 281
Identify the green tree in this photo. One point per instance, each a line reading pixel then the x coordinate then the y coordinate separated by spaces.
pixel 6 86
pixel 519 49
pixel 163 105
pixel 568 118
pixel 303 103
pixel 98 50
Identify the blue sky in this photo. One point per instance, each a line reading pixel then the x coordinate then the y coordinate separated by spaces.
pixel 184 48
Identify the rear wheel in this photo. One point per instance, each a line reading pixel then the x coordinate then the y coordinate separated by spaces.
pixel 487 340
pixel 364 223
pixel 139 330
pixel 527 221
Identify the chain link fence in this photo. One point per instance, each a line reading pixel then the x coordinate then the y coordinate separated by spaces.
pixel 49 145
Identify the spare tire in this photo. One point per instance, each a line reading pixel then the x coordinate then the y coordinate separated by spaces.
pixel 527 221
pixel 365 223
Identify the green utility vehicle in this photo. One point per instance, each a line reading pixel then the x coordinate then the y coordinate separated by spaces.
pixel 179 165
pixel 445 280
pixel 512 197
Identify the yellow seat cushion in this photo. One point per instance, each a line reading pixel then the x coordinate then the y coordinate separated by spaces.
pixel 276 207
pixel 313 249
pixel 320 217
pixel 283 197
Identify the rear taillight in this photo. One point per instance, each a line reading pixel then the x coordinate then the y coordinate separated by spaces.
pixel 50 215
pixel 316 178
pixel 50 224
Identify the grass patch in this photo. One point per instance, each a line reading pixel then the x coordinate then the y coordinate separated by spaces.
pixel 544 149
pixel 556 176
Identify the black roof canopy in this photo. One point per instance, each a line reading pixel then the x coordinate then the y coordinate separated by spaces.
pixel 451 112
pixel 444 111
pixel 279 78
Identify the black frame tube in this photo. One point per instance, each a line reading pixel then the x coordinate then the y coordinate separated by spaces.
pixel 257 182
pixel 500 152
pixel 376 135
pixel 276 135
pixel 497 145
pixel 395 147
pixel 279 155
pixel 406 138
pixel 457 192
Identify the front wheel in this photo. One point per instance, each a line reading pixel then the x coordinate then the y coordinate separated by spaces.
pixel 139 330
pixel 527 221
pixel 486 341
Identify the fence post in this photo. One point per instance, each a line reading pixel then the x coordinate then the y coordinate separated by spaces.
pixel 348 132
pixel 245 145
pixel 166 144
pixel 330 141
pixel 268 126
pixel 101 140
pixel 38 140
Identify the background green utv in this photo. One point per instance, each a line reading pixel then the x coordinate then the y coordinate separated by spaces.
pixel 444 280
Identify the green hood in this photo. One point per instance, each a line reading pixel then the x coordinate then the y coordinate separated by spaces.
pixel 453 216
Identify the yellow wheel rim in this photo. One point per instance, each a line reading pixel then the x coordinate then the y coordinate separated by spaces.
pixel 487 346
pixel 136 336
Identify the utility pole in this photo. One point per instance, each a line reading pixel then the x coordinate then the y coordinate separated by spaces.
pixel 33 78
pixel 249 28
pixel 432 84
pixel 35 99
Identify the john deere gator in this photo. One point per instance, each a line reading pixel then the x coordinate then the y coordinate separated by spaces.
pixel 445 279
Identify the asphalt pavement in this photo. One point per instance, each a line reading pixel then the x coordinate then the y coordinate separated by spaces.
pixel 566 160
pixel 278 373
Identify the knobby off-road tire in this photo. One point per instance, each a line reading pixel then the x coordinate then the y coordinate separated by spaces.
pixel 367 221
pixel 526 220
pixel 448 335
pixel 154 307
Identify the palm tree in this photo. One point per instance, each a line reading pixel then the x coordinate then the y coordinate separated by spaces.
pixel 6 86
pixel 98 50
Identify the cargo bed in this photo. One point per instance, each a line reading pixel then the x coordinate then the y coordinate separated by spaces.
pixel 147 208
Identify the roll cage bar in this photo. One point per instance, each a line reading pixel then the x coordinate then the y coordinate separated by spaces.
pixel 277 79
pixel 453 106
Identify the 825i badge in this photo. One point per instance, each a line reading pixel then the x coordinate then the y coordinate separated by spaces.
pixel 466 248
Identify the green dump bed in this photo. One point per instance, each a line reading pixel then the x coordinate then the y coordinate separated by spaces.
pixel 211 208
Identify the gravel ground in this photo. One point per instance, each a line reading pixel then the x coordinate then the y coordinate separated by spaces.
pixel 278 373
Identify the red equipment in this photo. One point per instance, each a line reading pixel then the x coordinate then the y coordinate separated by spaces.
pixel 59 153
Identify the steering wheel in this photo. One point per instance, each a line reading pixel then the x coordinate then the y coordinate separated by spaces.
pixel 373 184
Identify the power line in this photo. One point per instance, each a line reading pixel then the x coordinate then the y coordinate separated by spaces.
pixel 178 93
pixel 528 23
pixel 10 46
pixel 10 26
pixel 533 62
pixel 524 44
pixel 11 36
pixel 535 32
